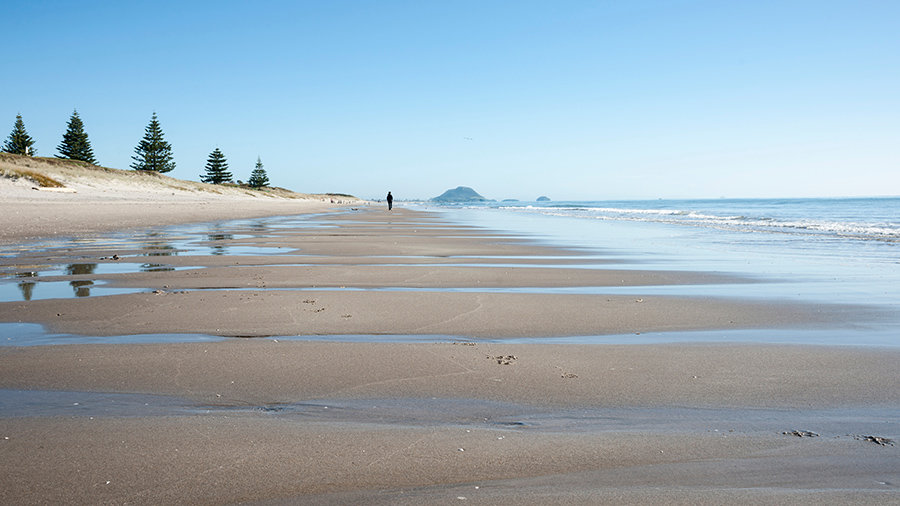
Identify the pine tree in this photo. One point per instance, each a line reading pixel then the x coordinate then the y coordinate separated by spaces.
pixel 258 177
pixel 19 142
pixel 216 169
pixel 75 144
pixel 153 152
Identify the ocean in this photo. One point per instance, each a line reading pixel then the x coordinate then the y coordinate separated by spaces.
pixel 825 250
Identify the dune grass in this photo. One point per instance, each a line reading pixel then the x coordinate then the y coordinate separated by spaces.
pixel 46 172
pixel 37 178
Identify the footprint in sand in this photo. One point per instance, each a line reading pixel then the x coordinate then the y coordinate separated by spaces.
pixel 503 359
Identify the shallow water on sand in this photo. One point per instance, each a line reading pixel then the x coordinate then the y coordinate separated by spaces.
pixel 22 403
pixel 870 268
pixel 71 268
pixel 31 334
pixel 33 271
pixel 470 413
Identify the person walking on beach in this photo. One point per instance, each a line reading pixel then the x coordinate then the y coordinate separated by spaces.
pixel 390 199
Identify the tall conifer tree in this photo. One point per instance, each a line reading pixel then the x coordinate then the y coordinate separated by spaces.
pixel 216 169
pixel 19 142
pixel 258 178
pixel 75 144
pixel 153 152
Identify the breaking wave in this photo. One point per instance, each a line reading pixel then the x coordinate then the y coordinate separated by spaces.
pixel 865 219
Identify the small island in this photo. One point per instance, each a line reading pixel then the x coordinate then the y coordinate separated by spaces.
pixel 460 194
pixel 543 198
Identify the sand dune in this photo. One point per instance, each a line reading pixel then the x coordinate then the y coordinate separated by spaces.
pixel 47 197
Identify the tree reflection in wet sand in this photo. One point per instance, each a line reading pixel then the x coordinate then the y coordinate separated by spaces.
pixel 82 287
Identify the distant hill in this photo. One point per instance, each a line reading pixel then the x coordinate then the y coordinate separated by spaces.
pixel 460 194
pixel 543 199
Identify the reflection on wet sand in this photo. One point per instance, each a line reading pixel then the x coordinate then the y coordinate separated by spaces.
pixel 26 287
pixel 156 244
pixel 82 287
pixel 218 247
pixel 156 268
pixel 40 266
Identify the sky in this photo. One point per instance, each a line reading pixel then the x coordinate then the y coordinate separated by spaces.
pixel 575 100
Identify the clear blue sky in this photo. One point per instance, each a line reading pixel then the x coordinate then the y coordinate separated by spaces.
pixel 570 99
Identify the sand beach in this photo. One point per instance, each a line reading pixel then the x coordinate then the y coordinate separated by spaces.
pixel 344 354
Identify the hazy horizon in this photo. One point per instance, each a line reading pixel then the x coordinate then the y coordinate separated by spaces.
pixel 575 100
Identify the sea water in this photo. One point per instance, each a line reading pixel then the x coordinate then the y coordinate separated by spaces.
pixel 836 250
pixel 833 236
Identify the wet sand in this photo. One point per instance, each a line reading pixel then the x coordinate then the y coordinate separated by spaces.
pixel 39 218
pixel 270 420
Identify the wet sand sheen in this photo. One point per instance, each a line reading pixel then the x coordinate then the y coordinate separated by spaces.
pixel 646 424
pixel 258 372
pixel 482 423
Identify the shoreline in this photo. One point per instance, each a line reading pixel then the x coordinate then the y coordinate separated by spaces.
pixel 350 275
pixel 280 421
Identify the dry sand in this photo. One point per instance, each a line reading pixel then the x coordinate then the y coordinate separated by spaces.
pixel 457 420
pixel 95 199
